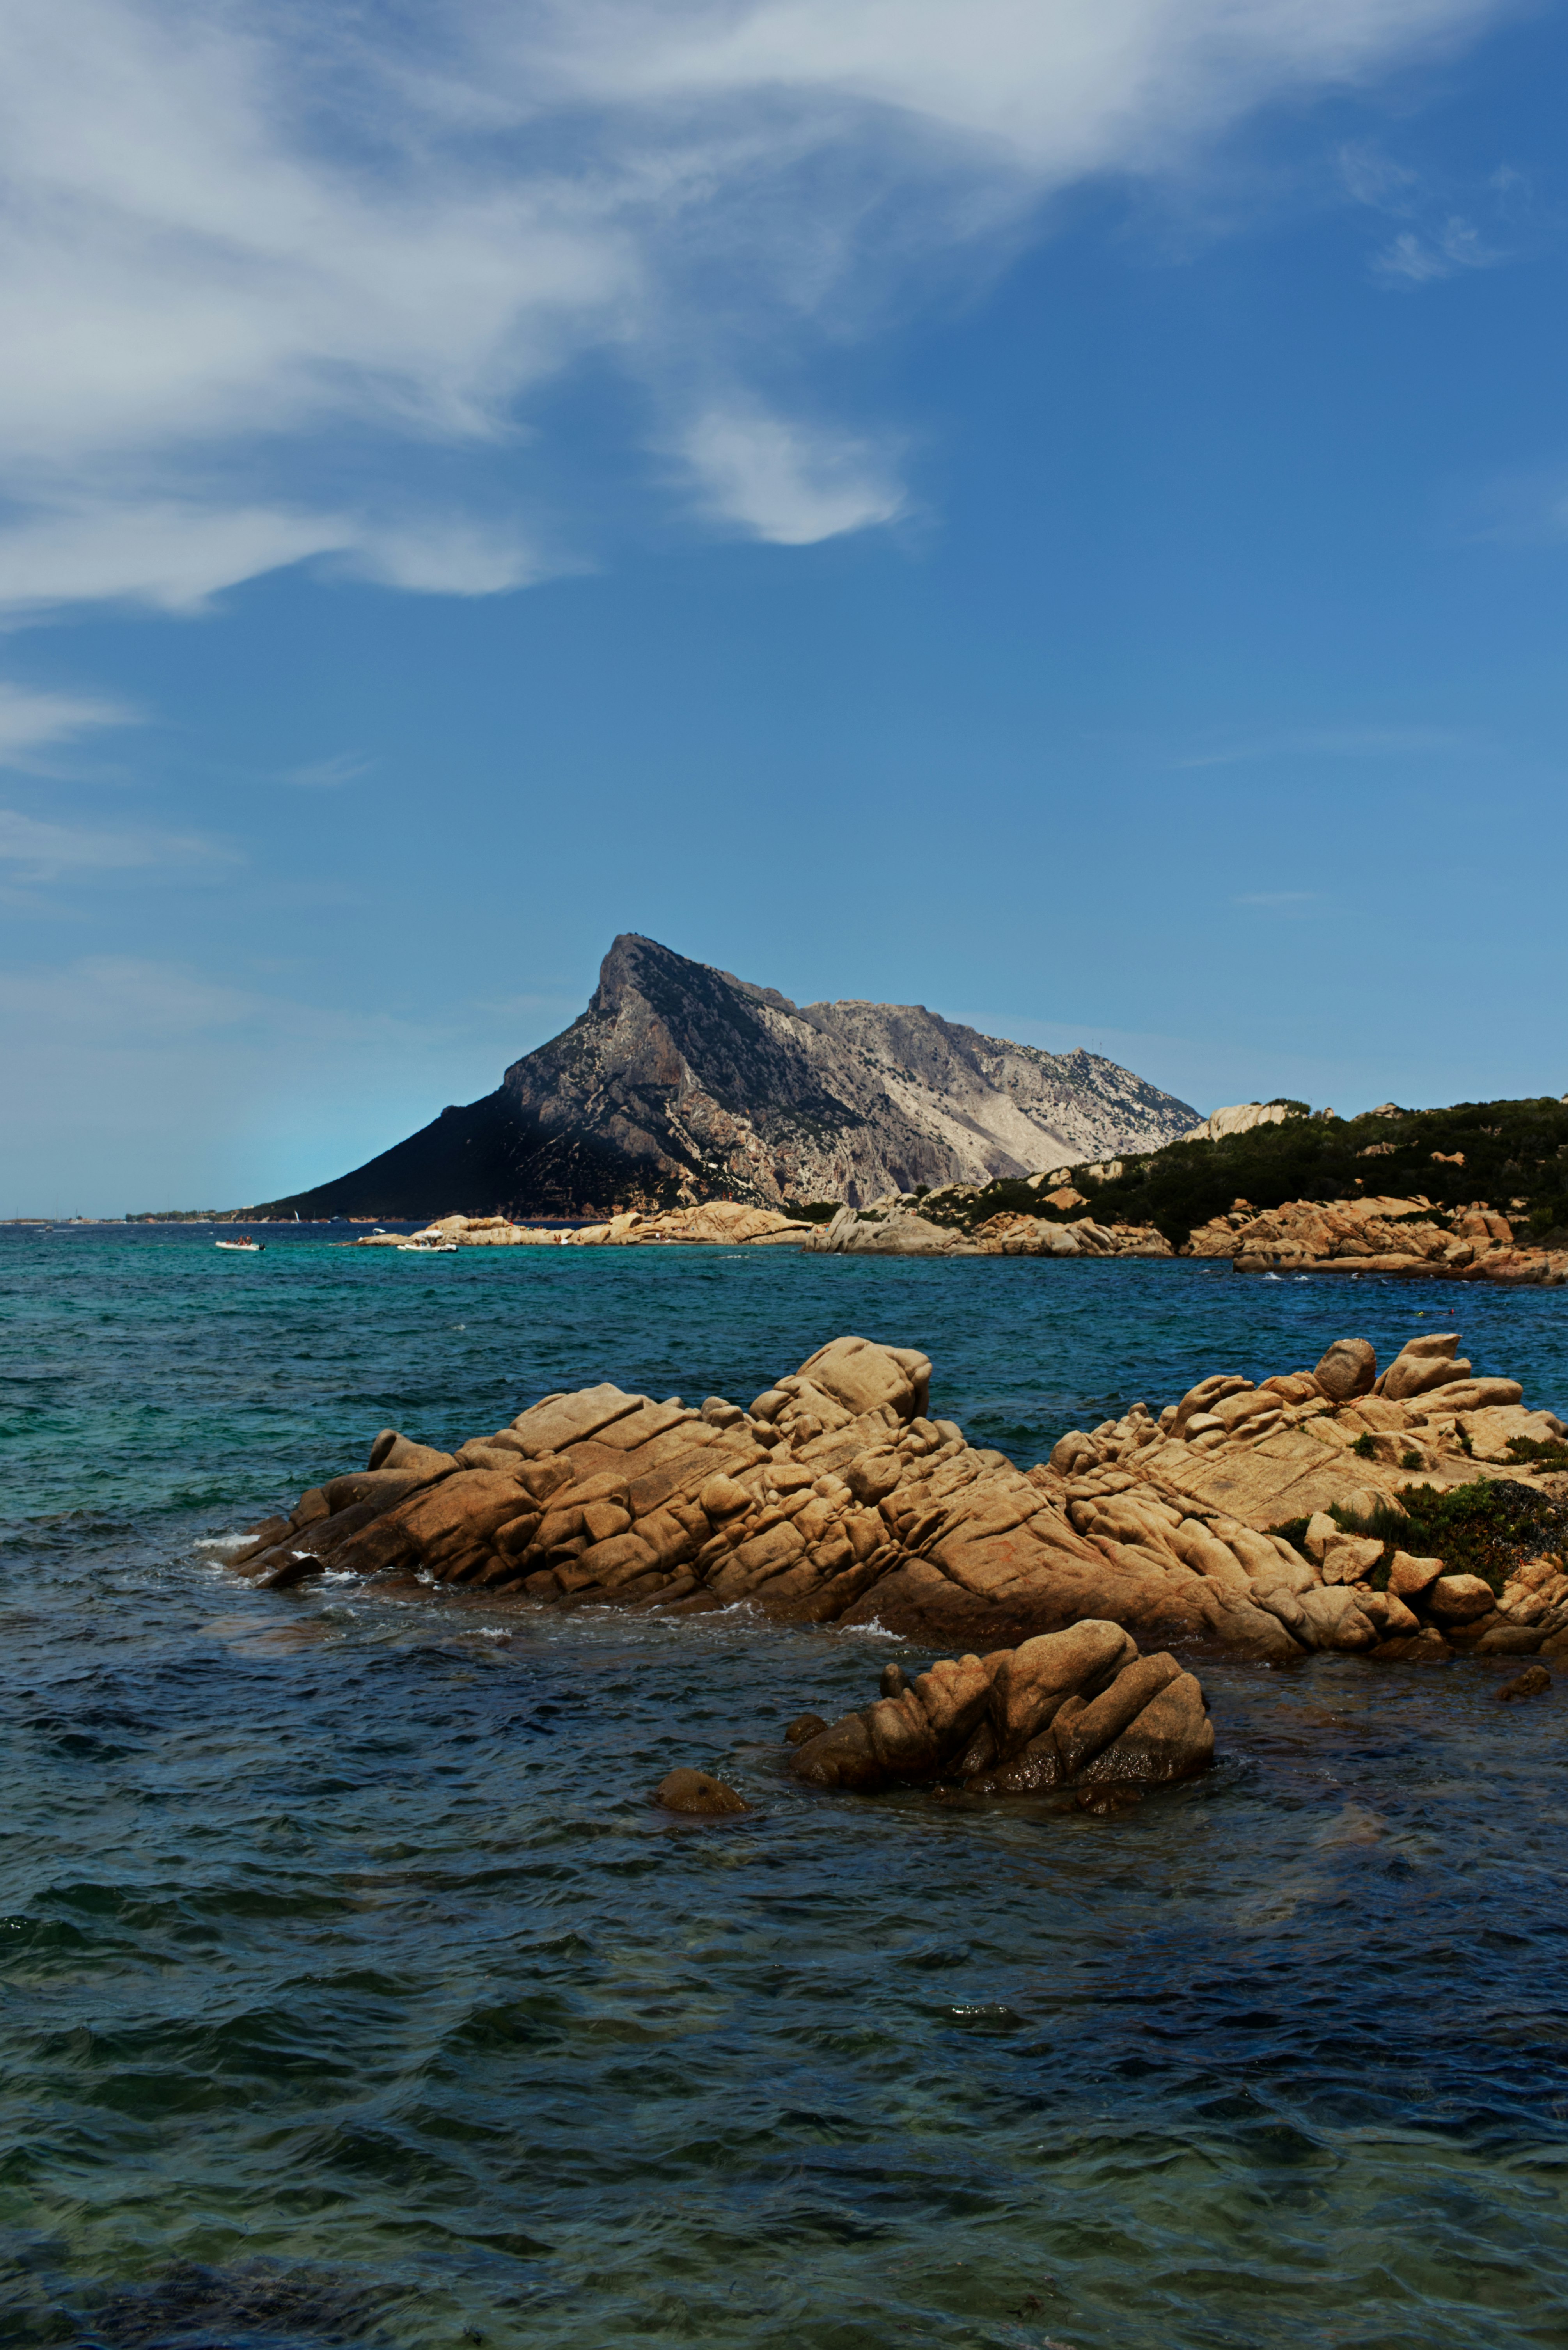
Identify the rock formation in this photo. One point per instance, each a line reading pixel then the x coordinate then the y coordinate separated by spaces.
pixel 1406 1238
pixel 681 1083
pixel 1281 1475
pixel 717 1223
pixel 1243 1117
pixel 835 1498
pixel 898 1227
pixel 1070 1709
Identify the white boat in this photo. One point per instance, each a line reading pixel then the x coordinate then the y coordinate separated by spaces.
pixel 427 1248
pixel 248 1248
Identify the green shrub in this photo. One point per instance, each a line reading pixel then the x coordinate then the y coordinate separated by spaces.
pixel 1364 1447
pixel 1487 1528
pixel 813 1211
pixel 1293 1531
pixel 1538 1453
pixel 1512 1149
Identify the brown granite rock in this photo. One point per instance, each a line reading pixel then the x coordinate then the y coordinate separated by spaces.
pixel 1410 1577
pixel 1347 1368
pixel 838 1500
pixel 1459 1599
pixel 699 1795
pixel 1073 1705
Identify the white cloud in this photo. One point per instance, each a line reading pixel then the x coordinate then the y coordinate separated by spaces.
pixel 330 775
pixel 38 851
pixel 240 244
pixel 1419 260
pixel 787 484
pixel 1443 241
pixel 31 721
pixel 172 555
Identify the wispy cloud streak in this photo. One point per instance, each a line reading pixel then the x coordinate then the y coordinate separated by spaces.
pixel 236 242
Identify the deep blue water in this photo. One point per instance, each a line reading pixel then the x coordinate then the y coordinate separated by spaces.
pixel 355 1991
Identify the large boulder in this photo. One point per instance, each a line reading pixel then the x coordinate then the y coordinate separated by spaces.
pixel 1065 1709
pixel 1460 1598
pixel 1425 1363
pixel 864 1376
pixel 1348 1368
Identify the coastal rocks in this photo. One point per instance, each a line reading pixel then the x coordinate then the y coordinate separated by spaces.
pixel 699 1795
pixel 895 1227
pixel 1345 1369
pixel 1064 1710
pixel 1296 1486
pixel 1459 1599
pixel 1533 1681
pixel 716 1223
pixel 891 1231
pixel 1405 1238
pixel 1253 1518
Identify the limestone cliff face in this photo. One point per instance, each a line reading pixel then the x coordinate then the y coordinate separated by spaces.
pixel 683 1082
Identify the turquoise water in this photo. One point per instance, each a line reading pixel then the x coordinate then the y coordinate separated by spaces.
pixel 354 1990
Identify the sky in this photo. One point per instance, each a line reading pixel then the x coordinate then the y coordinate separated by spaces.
pixel 1053 510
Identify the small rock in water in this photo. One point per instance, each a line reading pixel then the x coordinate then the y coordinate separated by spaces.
pixel 804 1726
pixel 893 1681
pixel 694 1791
pixel 1533 1681
pixel 1106 1802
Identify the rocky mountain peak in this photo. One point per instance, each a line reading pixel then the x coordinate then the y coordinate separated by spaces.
pixel 681 1082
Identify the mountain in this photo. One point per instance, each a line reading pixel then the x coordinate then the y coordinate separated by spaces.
pixel 681 1082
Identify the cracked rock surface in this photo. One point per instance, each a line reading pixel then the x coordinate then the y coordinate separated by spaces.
pixel 834 1497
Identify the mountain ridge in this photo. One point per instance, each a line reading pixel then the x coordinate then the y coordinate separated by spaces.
pixel 680 1081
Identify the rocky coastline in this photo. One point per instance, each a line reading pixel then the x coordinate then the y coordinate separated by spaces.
pixel 1402 1239
pixel 1266 1520
pixel 1397 1239
pixel 714 1222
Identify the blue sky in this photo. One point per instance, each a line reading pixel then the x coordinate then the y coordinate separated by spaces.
pixel 1057 513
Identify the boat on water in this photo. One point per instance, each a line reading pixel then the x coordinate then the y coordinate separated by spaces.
pixel 245 1248
pixel 427 1248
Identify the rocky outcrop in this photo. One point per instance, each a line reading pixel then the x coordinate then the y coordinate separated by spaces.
pixel 1071 1708
pixel 895 1227
pixel 681 1083
pixel 718 1223
pixel 1282 1473
pixel 1403 1237
pixel 1243 1117
pixel 837 1497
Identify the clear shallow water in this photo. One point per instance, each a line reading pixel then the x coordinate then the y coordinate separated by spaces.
pixel 355 1991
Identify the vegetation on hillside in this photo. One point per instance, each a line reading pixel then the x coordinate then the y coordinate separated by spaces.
pixel 1504 1152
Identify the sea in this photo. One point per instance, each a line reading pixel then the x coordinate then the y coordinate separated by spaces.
pixel 355 1990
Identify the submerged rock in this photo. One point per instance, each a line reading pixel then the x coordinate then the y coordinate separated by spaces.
pixel 696 1792
pixel 1533 1681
